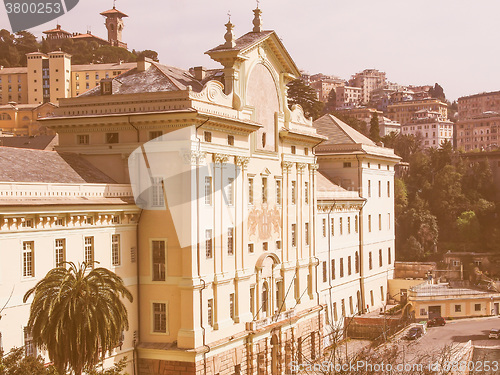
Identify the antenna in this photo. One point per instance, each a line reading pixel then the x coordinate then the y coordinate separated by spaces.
pixel 114 4
pixel 258 2
pixel 229 15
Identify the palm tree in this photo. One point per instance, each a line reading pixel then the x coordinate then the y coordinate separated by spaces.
pixel 78 316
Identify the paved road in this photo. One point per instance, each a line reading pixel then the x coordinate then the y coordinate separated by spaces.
pixel 453 333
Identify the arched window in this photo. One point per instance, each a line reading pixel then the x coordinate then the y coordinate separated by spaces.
pixel 5 116
pixel 26 118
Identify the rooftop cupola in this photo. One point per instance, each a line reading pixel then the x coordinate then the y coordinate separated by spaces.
pixel 229 36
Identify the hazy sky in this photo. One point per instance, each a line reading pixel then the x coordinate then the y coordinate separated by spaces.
pixel 452 42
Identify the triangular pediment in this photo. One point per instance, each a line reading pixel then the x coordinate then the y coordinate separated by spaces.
pixel 265 40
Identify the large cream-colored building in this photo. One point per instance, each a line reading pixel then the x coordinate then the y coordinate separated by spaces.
pixel 404 112
pixel 433 129
pixel 226 255
pixel 22 119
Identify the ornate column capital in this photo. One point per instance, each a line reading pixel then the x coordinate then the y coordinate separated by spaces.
pixel 221 158
pixel 194 157
pixel 286 165
pixel 242 161
pixel 313 167
pixel 301 167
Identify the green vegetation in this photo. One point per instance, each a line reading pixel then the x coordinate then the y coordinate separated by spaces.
pixel 353 122
pixel 88 305
pixel 14 47
pixel 443 203
pixel 301 93
pixel 374 128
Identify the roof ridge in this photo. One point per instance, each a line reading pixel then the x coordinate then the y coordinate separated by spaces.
pixel 171 79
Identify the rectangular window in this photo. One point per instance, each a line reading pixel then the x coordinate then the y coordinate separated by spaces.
pixel 380 258
pixel 208 136
pixel 208 190
pixel 294 192
pixel 369 223
pixel 89 251
pixel 111 137
pixel 349 265
pixel 370 260
pixel 29 346
pixel 341 268
pixel 347 164
pixel 252 300
pixel 389 256
pixel 349 225
pixel 89 220
pixel 160 317
pixel 306 192
pixel 343 307
pixel 278 245
pixel 208 243
pixel 306 233
pixel 28 259
pixel 83 139
pixel 369 188
pixel 210 312
pixel 325 275
pixel 231 306
pixel 458 308
pixel 356 223
pixel 371 298
pixel 332 226
pixel 250 248
pixel 60 250
pixel 341 230
pixel 388 188
pixel 293 149
pixel 324 227
pixel 264 189
pixel 382 297
pixel 250 191
pixel 157 192
pixel 335 316
pixel 159 260
pixel 265 246
pixel 230 191
pixel 477 307
pixel 230 241
pixel 115 250
pixel 294 234
pixel 230 140
pixel 333 269
pixel 278 192
pixel 389 221
pixel 27 223
pixel 379 221
pixel 380 189
pixel 351 307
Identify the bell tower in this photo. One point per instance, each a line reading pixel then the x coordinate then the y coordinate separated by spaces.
pixel 114 24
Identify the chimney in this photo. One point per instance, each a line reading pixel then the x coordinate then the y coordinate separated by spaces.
pixel 199 73
pixel 143 64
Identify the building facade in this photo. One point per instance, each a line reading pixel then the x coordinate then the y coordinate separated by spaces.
pixel 368 80
pixel 347 97
pixel 404 112
pixel 430 127
pixel 227 261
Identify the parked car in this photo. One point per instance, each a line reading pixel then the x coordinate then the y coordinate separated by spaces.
pixel 434 322
pixel 494 334
pixel 414 333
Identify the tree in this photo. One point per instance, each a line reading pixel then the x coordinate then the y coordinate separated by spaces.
pixel 304 95
pixel 78 316
pixel 331 104
pixel 437 92
pixel 356 124
pixel 374 128
pixel 153 55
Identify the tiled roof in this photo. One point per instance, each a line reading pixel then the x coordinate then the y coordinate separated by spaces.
pixel 89 36
pixel 14 70
pixel 113 11
pixel 38 142
pixel 244 41
pixel 156 78
pixel 339 132
pixel 25 165
pixel 113 66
